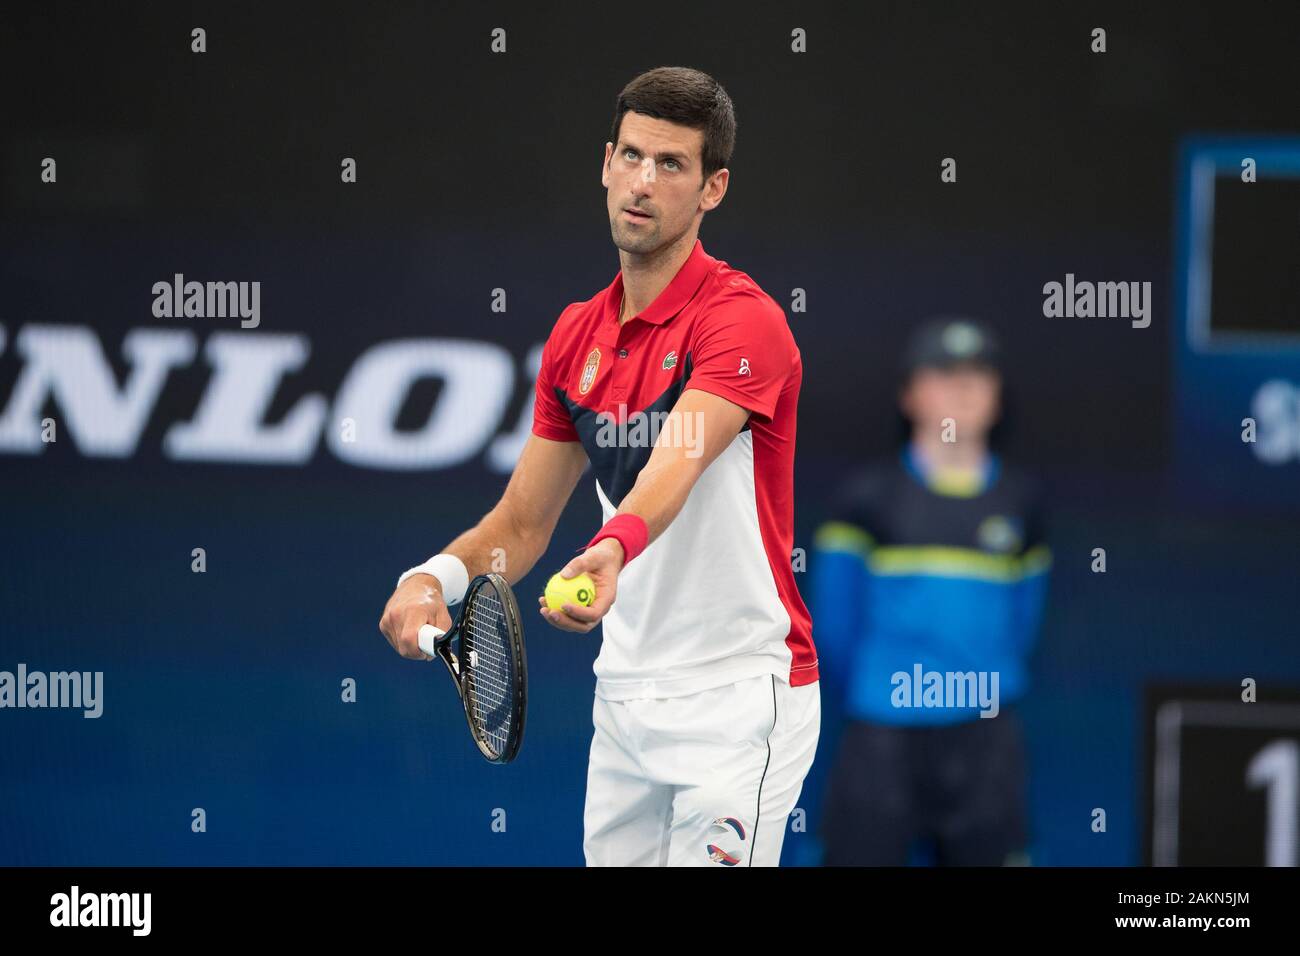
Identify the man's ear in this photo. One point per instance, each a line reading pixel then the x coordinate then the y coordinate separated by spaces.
pixel 604 169
pixel 714 189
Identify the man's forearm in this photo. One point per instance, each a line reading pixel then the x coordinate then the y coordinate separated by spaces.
pixel 665 482
pixel 660 493
pixel 501 544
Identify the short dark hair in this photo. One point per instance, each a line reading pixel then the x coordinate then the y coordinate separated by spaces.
pixel 689 98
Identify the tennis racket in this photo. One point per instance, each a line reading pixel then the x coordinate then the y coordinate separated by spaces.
pixel 484 653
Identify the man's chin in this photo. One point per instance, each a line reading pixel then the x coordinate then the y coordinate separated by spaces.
pixel 635 243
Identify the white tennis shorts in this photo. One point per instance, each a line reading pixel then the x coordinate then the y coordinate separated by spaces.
pixel 708 779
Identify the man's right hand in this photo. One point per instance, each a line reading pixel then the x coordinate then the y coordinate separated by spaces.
pixel 416 602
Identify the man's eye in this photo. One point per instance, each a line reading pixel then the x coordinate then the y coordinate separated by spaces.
pixel 630 154
pixel 672 163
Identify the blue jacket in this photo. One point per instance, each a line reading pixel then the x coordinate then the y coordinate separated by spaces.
pixel 919 593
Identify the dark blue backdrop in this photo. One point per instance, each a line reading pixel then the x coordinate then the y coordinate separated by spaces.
pixel 479 171
pixel 222 689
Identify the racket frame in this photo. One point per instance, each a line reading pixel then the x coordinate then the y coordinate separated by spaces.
pixel 460 677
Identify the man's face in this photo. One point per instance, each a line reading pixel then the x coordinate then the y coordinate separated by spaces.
pixel 656 169
pixel 968 394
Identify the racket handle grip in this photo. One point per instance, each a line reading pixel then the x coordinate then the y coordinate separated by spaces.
pixel 427 638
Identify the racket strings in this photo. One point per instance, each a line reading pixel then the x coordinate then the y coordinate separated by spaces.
pixel 488 665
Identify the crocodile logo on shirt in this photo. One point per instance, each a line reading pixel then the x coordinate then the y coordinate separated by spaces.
pixel 670 360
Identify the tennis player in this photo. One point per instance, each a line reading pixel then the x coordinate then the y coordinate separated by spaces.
pixel 679 384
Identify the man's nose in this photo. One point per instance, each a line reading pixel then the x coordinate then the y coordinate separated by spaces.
pixel 644 179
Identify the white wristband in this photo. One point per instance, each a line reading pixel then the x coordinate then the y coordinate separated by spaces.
pixel 450 572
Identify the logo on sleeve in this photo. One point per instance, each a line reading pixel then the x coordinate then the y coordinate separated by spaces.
pixel 744 367
pixel 1000 533
pixel 670 360
pixel 589 372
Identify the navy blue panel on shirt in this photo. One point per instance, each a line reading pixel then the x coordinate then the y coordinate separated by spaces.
pixel 616 465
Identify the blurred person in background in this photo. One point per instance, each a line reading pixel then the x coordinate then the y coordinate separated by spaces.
pixel 928 587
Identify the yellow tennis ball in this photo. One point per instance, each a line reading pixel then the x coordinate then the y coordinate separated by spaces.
pixel 579 591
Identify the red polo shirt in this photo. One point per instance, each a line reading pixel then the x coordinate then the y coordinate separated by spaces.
pixel 713 599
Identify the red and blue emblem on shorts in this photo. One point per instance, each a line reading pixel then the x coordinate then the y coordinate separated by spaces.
pixel 734 832
pixel 719 855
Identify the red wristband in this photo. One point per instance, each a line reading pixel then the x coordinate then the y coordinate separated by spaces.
pixel 628 530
